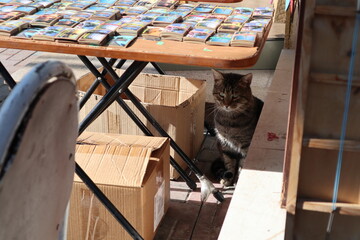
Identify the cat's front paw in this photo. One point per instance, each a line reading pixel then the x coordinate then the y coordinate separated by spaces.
pixel 227 179
pixel 226 182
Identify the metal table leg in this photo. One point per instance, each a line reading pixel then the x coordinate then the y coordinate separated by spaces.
pixel 123 82
pixel 158 68
pixel 94 85
pixel 7 77
pixel 100 78
pixel 207 186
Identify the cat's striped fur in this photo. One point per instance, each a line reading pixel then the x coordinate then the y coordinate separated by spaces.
pixel 236 114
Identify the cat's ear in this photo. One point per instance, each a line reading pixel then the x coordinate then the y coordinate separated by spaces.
pixel 218 76
pixel 247 79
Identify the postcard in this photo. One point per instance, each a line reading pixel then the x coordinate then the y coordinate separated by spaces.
pixel 97 7
pixel 7 28
pixel 9 15
pixel 179 13
pixel 254 27
pixel 93 38
pixel 46 20
pixel 152 33
pixel 167 18
pixel 46 11
pixel 194 18
pixel 223 10
pixel 109 2
pixel 121 9
pixel 237 18
pixel 208 24
pixel 243 11
pixel 136 10
pixel 83 15
pixel 125 2
pixel 229 27
pixel 122 41
pixel 244 37
pixel 18 23
pixel 215 17
pixel 79 5
pixel 67 22
pixel 25 9
pixel 134 26
pixel 145 18
pixel 8 8
pixel 199 33
pixel 70 34
pixel 158 11
pixel 263 12
pixel 144 3
pixel 220 39
pixel 52 31
pixel 89 24
pixel 28 33
pixel 107 26
pixel 177 29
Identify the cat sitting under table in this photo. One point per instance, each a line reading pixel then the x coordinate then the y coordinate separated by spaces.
pixel 236 114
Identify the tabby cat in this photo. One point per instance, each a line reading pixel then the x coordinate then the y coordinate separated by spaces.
pixel 236 114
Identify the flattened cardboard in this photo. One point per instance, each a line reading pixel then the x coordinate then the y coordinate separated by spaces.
pixel 133 172
pixel 177 103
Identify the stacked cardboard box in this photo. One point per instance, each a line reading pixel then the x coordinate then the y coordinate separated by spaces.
pixel 177 103
pixel 133 172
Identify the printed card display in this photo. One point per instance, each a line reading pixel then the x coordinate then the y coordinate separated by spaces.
pixel 198 35
pixel 70 35
pixel 175 31
pixel 222 39
pixel 27 33
pixel 244 39
pixel 152 33
pixel 48 33
pixel 121 41
pixel 223 10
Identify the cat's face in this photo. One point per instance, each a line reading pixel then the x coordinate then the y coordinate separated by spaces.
pixel 232 91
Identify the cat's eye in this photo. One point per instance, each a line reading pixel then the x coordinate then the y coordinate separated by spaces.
pixel 235 96
pixel 222 94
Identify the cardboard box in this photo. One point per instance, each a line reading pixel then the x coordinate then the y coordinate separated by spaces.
pixel 133 172
pixel 177 103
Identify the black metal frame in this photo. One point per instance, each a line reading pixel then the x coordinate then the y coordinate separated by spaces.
pixel 113 94
pixel 100 78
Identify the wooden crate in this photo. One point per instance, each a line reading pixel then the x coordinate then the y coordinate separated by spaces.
pixel 317 104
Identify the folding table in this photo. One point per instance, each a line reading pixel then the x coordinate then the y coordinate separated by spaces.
pixel 142 52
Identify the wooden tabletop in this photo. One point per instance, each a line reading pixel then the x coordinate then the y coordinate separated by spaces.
pixel 165 51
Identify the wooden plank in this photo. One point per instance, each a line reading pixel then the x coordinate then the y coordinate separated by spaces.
pixel 317 175
pixel 331 144
pixel 324 112
pixel 327 207
pixel 312 225
pixel 333 78
pixel 297 104
pixel 332 56
pixel 153 51
pixel 339 11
